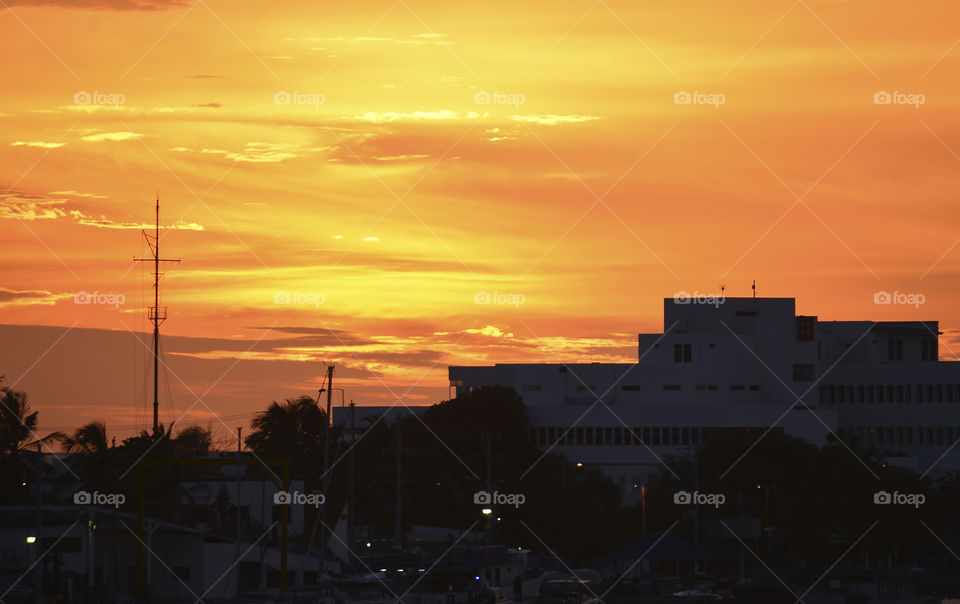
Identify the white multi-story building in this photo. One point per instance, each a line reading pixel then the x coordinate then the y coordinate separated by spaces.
pixel 738 364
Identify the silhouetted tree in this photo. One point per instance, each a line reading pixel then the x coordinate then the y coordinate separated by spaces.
pixel 18 425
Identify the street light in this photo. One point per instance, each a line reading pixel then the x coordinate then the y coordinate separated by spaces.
pixel 486 511
pixel 31 539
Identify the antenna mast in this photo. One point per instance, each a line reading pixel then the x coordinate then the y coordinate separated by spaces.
pixel 155 313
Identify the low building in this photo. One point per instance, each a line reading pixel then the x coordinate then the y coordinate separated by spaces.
pixel 735 365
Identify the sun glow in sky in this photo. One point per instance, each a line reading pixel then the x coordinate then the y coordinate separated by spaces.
pixel 399 186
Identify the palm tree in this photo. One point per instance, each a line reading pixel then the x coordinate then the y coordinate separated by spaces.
pixel 90 438
pixel 294 429
pixel 91 454
pixel 18 426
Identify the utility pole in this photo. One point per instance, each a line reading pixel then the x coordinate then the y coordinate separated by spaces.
pixel 237 505
pixel 325 479
pixel 350 495
pixel 155 314
pixel 398 519
pixel 38 576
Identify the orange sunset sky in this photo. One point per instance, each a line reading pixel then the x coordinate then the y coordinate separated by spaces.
pixel 384 162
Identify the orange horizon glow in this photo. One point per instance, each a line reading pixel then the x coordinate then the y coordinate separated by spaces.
pixel 383 164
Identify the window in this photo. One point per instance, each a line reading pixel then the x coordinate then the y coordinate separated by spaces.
pixel 630 388
pixel 655 436
pixel 736 386
pixel 579 432
pixel 671 386
pixel 711 387
pixel 754 387
pixel 682 353
pixel 746 313
pixel 585 388
pixel 644 435
pixel 530 388
pixel 803 372
pixel 928 350
pixel 894 349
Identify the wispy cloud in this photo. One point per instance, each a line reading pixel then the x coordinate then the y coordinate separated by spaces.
pixel 394 116
pixel 550 119
pixel 24 297
pixel 41 144
pixel 111 136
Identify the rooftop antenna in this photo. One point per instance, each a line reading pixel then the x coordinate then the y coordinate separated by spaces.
pixel 155 313
pixel 754 286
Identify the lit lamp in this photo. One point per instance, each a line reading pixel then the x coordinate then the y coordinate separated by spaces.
pixel 31 539
pixel 486 511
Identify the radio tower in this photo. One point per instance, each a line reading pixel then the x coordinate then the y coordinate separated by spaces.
pixel 155 313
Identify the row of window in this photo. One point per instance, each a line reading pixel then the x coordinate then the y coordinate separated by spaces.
pixel 713 387
pixel 890 393
pixel 928 349
pixel 615 435
pixel 677 436
pixel 907 437
pixel 694 435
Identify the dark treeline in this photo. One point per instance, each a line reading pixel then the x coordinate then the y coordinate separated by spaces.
pixel 811 505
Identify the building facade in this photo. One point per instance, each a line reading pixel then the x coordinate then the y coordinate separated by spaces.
pixel 739 364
